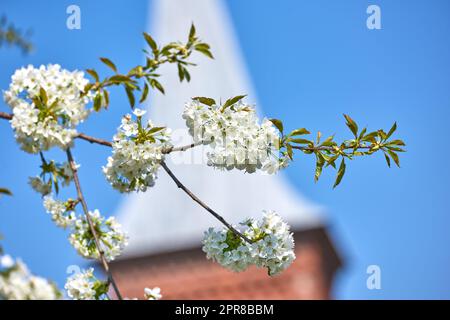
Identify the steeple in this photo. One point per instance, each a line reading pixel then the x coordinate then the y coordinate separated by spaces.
pixel 164 218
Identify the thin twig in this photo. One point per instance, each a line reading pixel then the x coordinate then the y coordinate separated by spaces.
pixel 183 148
pixel 94 140
pixel 91 224
pixel 6 116
pixel 201 203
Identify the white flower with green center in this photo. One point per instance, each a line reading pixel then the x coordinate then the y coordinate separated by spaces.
pixel 236 138
pixel 47 103
pixel 271 247
pixel 137 153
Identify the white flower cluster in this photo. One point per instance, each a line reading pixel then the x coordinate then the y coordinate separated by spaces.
pixel 17 283
pixel 137 152
pixel 110 234
pixel 235 136
pixel 47 105
pixel 272 245
pixel 61 212
pixel 152 294
pixel 84 286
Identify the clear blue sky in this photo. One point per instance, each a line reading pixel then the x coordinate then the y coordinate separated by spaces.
pixel 310 61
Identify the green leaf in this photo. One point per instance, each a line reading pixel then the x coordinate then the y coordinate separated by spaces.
pixel 144 93
pixel 43 95
pixel 232 101
pixel 180 72
pixel 370 137
pixel 97 102
pixel 106 97
pixel 352 125
pixel 155 129
pixel 109 63
pixel 396 143
pixel 130 96
pixel 300 141
pixel 204 48
pixel 328 142
pixel 94 75
pixel 192 33
pixel 151 42
pixel 5 191
pixel 392 130
pixel 120 78
pixel 320 161
pixel 394 157
pixel 155 84
pixel 388 161
pixel 208 101
pixel 362 133
pixel 277 123
pixel 340 173
pixel 299 132
pixel 289 151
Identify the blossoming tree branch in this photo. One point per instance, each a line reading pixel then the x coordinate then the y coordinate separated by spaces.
pixel 49 102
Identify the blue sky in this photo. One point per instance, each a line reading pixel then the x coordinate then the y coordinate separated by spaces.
pixel 311 61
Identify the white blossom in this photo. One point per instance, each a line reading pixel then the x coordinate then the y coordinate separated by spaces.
pixel 81 286
pixel 39 185
pixel 61 215
pixel 17 283
pixel 110 234
pixel 6 261
pixel 139 112
pixel 272 245
pixel 136 156
pixel 152 294
pixel 47 105
pixel 236 138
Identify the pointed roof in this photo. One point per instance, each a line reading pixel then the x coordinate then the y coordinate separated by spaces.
pixel 164 218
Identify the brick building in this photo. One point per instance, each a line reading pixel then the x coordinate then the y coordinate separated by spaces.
pixel 186 274
pixel 166 227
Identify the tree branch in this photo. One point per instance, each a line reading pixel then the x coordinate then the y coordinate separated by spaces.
pixel 6 116
pixel 82 136
pixel 91 225
pixel 201 203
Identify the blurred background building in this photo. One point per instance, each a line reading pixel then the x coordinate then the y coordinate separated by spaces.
pixel 166 226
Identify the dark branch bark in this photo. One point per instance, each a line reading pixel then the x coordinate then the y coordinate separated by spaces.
pixel 201 203
pixel 91 225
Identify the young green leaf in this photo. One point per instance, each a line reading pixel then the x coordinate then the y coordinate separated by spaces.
pixel 208 101
pixel 109 63
pixel 232 101
pixel 130 96
pixel 277 123
pixel 151 42
pixel 144 93
pixel 94 74
pixel 352 125
pixel 388 161
pixel 97 102
pixel 392 130
pixel 155 84
pixel 299 132
pixel 340 173
pixel 394 157
pixel 5 191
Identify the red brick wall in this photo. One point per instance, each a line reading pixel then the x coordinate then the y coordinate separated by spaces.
pixel 188 275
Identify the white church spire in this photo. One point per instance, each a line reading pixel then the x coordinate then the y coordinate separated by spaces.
pixel 164 218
